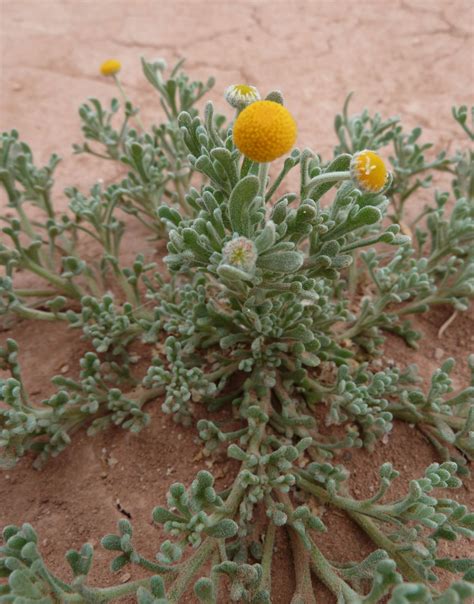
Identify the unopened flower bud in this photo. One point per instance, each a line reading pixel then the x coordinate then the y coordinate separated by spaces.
pixel 241 95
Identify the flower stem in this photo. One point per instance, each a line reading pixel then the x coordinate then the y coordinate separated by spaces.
pixel 277 182
pixel 323 178
pixel 263 177
pixel 126 100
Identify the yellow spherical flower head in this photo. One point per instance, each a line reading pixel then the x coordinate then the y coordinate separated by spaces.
pixel 264 131
pixel 368 171
pixel 110 67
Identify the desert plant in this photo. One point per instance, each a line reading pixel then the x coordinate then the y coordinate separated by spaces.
pixel 275 304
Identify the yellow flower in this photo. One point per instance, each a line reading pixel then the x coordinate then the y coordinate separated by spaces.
pixel 368 171
pixel 241 95
pixel 110 67
pixel 264 131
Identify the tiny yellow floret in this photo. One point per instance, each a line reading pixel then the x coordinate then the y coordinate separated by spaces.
pixel 264 131
pixel 110 67
pixel 369 171
pixel 244 89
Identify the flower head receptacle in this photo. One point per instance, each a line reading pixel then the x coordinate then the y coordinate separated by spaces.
pixel 368 171
pixel 110 67
pixel 264 131
pixel 241 95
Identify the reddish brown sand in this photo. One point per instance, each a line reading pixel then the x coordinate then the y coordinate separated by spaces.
pixel 408 58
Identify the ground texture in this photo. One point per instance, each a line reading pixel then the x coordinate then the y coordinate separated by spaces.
pixel 408 58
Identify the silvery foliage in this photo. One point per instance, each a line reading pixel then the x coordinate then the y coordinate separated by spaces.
pixel 273 307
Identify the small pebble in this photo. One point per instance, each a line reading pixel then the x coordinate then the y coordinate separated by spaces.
pixel 126 577
pixel 439 354
pixel 103 475
pixel 64 369
pixel 112 461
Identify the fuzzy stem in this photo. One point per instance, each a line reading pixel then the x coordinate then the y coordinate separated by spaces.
pixel 277 182
pixel 126 100
pixel 326 574
pixel 66 288
pixel 304 593
pixel 302 557
pixel 385 543
pixel 47 204
pixel 263 177
pixel 27 227
pixel 157 568
pixel 432 418
pixel 358 515
pixel 323 178
pixel 36 293
pixel 267 557
pixel 25 221
pixel 224 370
pixel 190 568
pixel 97 154
pixel 38 315
pixel 103 594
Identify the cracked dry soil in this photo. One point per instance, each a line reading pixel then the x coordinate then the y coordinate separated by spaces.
pixel 411 58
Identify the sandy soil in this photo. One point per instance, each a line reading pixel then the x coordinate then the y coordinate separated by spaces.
pixel 408 58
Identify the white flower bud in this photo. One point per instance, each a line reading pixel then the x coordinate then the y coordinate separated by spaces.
pixel 241 95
